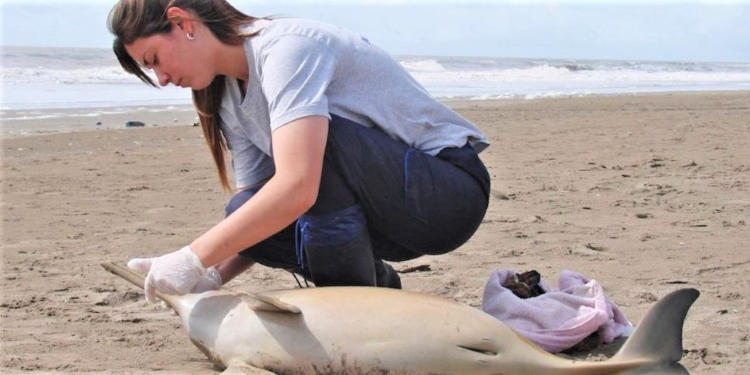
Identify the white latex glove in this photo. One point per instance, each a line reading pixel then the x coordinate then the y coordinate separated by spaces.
pixel 211 280
pixel 173 273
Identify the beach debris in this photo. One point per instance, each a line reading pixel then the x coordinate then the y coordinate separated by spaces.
pixel 657 189
pixel 98 123
pixel 134 124
pixel 524 285
pixel 419 268
pixel 511 253
pixel 129 320
pixel 644 215
pixel 586 250
pixel 731 296
pixel 656 162
pixel 647 297
pixel 536 219
pixel 99 289
pixel 595 247
pixel 500 195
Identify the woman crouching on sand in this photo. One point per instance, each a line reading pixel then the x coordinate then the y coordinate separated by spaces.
pixel 341 159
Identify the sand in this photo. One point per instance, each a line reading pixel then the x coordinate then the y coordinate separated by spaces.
pixel 644 193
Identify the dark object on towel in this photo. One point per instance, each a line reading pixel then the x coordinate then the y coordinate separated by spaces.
pixel 525 285
pixel 134 124
pixel 586 345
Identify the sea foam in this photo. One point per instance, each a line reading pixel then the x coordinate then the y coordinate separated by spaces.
pixel 85 78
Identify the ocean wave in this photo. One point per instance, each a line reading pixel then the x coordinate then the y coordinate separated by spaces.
pixel 35 115
pixel 578 73
pixel 428 65
pixel 89 75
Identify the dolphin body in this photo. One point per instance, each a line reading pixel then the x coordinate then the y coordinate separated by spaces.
pixel 365 330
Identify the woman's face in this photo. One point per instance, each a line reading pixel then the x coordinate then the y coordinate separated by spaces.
pixel 175 59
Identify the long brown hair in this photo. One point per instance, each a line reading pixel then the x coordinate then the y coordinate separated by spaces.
pixel 132 19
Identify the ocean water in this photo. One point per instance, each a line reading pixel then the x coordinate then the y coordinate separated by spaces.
pixel 55 78
pixel 63 78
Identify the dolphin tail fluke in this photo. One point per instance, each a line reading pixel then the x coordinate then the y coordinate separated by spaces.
pixel 656 344
pixel 138 281
pixel 658 337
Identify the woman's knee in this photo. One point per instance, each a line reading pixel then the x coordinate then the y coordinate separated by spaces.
pixel 445 233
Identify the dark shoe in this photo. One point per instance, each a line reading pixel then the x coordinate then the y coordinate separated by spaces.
pixel 386 276
pixel 347 264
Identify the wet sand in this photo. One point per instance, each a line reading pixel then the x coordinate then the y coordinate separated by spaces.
pixel 644 193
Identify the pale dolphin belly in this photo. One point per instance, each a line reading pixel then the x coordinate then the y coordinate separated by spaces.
pixel 381 330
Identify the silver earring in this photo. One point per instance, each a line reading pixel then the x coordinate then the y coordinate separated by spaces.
pixel 190 36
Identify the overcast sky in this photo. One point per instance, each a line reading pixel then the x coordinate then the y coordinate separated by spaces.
pixel 603 29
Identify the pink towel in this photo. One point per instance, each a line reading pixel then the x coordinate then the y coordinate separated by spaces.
pixel 558 319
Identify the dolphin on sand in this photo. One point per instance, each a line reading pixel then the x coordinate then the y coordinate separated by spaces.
pixel 361 330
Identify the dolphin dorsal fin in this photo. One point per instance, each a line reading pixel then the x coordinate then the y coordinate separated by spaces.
pixel 263 302
pixel 659 334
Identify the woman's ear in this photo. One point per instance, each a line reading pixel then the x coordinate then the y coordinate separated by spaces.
pixel 181 18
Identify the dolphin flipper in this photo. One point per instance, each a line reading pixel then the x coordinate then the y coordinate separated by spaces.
pixel 266 303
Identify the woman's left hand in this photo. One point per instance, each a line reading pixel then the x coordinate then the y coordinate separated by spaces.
pixel 173 273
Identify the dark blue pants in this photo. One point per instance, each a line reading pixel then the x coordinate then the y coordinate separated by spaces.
pixel 378 200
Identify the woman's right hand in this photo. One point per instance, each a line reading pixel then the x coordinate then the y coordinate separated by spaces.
pixel 211 280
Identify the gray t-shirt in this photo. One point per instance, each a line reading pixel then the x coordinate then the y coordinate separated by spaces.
pixel 301 68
